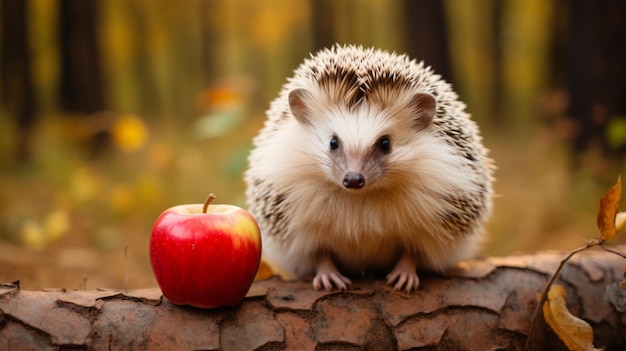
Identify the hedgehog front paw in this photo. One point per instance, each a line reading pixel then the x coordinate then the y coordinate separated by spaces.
pixel 328 276
pixel 404 275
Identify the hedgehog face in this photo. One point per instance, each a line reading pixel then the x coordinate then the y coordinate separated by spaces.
pixel 362 142
pixel 355 166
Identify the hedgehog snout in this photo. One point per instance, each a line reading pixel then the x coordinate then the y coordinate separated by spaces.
pixel 353 180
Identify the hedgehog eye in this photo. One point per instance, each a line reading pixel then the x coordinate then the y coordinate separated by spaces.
pixel 384 144
pixel 334 143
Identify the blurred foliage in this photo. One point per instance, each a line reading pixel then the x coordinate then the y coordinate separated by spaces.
pixel 187 84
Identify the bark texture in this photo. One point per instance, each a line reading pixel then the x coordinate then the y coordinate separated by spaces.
pixel 484 304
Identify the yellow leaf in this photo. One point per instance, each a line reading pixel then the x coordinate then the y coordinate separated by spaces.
pixel 608 210
pixel 264 272
pixel 56 224
pixel 575 333
pixel 129 133
pixel 85 185
pixel 33 235
pixel 620 221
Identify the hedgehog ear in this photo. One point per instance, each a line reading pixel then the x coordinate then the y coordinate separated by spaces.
pixel 300 102
pixel 423 106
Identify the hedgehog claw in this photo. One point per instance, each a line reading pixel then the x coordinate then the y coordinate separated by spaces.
pixel 404 275
pixel 328 277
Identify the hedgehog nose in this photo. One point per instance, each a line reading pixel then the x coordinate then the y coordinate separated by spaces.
pixel 353 180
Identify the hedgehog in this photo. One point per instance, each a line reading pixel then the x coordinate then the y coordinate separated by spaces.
pixel 368 165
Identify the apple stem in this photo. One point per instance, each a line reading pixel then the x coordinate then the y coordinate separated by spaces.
pixel 207 202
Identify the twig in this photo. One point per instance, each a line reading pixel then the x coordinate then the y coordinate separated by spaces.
pixel 612 251
pixel 534 340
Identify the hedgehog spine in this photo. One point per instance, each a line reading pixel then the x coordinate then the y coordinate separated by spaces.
pixel 368 162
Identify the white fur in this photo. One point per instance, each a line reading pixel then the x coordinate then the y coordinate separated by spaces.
pixel 366 227
pixel 399 208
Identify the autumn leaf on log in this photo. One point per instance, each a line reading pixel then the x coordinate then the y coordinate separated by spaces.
pixel 573 331
pixel 264 272
pixel 620 221
pixel 608 216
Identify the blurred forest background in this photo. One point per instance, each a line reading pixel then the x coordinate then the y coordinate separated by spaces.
pixel 112 111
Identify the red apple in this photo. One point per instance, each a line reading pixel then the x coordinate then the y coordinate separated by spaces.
pixel 205 255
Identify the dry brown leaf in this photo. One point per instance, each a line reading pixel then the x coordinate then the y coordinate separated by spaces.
pixel 573 331
pixel 264 272
pixel 608 211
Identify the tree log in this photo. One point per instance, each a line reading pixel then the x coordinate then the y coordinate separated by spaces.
pixel 484 304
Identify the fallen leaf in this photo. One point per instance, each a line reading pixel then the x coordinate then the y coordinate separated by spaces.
pixel 85 185
pixel 56 224
pixel 575 333
pixel 608 211
pixel 129 133
pixel 264 272
pixel 620 221
pixel 33 234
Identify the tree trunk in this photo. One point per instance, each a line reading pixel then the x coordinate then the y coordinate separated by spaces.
pixel 323 22
pixel 597 75
pixel 484 304
pixel 82 82
pixel 17 83
pixel 426 20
